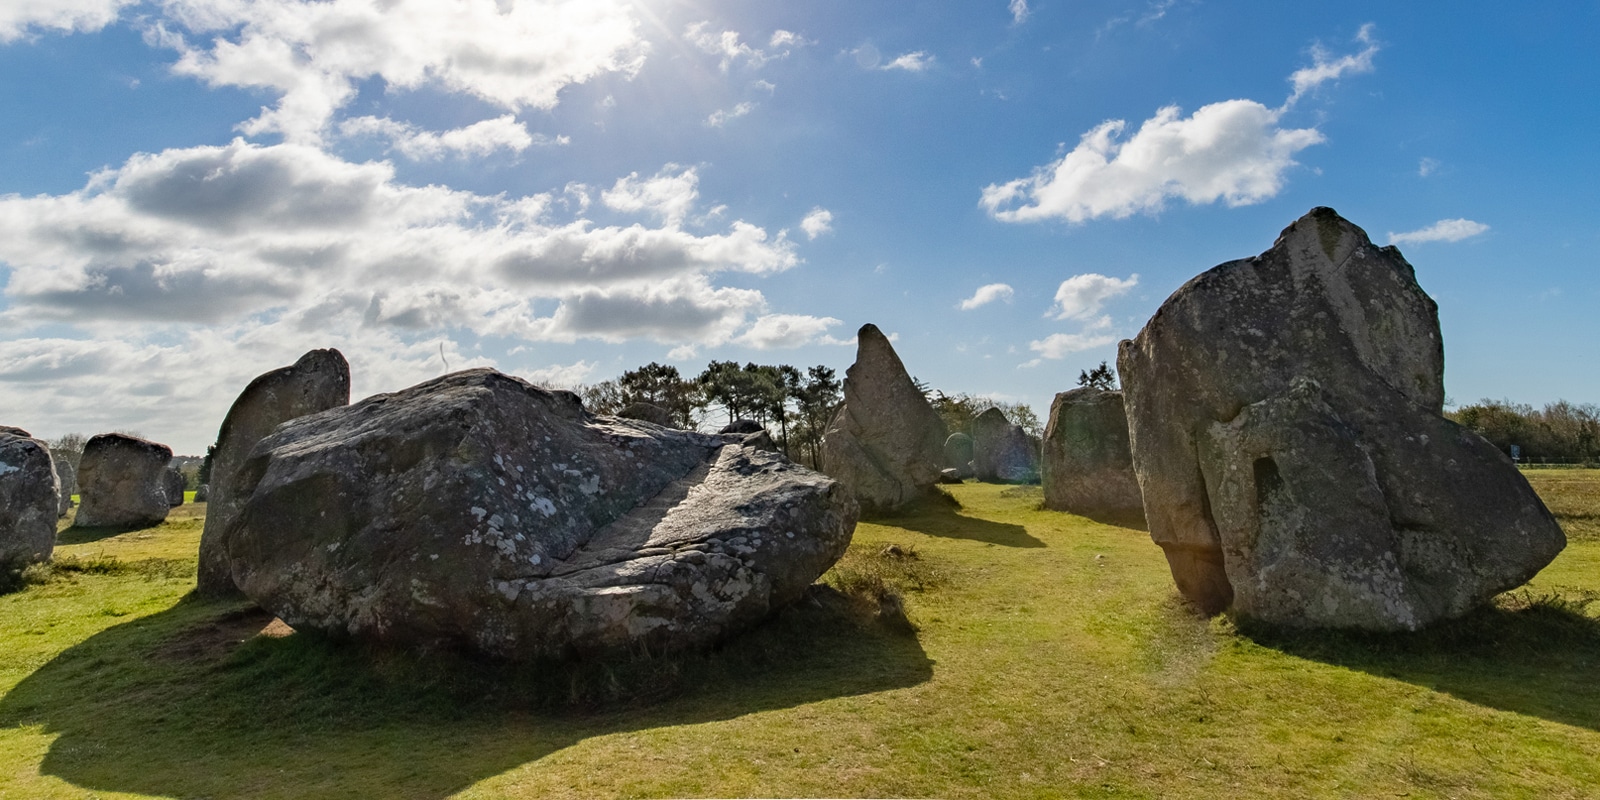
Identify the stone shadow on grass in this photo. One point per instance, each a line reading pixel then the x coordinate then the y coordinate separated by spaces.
pixel 175 704
pixel 940 515
pixel 1528 652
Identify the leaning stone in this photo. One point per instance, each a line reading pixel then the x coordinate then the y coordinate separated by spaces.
pixel 29 495
pixel 1287 430
pixel 1088 461
pixel 319 380
pixel 122 482
pixel 1002 451
pixel 886 443
pixel 478 510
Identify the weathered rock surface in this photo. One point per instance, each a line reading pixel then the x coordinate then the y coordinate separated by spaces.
pixel 886 443
pixel 175 486
pixel 648 412
pixel 1087 464
pixel 29 495
pixel 122 482
pixel 317 381
pixel 478 510
pixel 958 453
pixel 67 479
pixel 1285 416
pixel 1002 451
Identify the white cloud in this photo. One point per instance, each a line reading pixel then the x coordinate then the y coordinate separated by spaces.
pixel 727 45
pixel 918 61
pixel 562 376
pixel 988 294
pixel 1060 345
pixel 1081 296
pixel 1231 151
pixel 1235 152
pixel 1427 166
pixel 1019 11
pixel 670 194
pixel 514 55
pixel 19 18
pixel 1326 68
pixel 774 331
pixel 1445 230
pixel 477 139
pixel 720 117
pixel 817 222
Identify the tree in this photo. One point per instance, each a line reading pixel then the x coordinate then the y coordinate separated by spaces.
pixel 604 397
pixel 1101 377
pixel 750 392
pixel 69 448
pixel 817 397
pixel 659 385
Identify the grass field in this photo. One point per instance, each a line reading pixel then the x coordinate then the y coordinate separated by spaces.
pixel 1051 658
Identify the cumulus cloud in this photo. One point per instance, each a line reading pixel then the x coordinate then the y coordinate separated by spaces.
pixel 775 331
pixel 918 61
pixel 515 55
pixel 988 294
pixel 561 376
pixel 1445 230
pixel 817 222
pixel 721 116
pixel 1082 296
pixel 1325 67
pixel 1060 345
pixel 727 45
pixel 1236 152
pixel 477 139
pixel 19 18
pixel 1019 11
pixel 214 233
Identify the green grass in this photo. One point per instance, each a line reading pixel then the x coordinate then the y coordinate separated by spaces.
pixel 986 650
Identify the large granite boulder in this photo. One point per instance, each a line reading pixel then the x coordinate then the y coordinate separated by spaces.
pixel 886 443
pixel 176 485
pixel 122 482
pixel 67 478
pixel 29 494
pixel 318 381
pixel 1087 464
pixel 478 510
pixel 1002 451
pixel 1287 433
pixel 958 454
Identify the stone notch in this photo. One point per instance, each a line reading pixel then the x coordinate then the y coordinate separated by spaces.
pixel 886 443
pixel 1285 416
pixel 29 493
pixel 122 482
pixel 317 381
pixel 1088 460
pixel 479 511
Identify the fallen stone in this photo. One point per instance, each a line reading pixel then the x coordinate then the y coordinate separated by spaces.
pixel 1287 432
pixel 648 412
pixel 743 426
pixel 950 475
pixel 1088 461
pixel 886 443
pixel 480 511
pixel 122 482
pixel 29 494
pixel 317 381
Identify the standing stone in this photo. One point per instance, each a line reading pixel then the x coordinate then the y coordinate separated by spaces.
pixel 28 500
pixel 122 482
pixel 886 443
pixel 202 493
pixel 318 381
pixel 175 486
pixel 958 454
pixel 67 477
pixel 478 510
pixel 648 412
pixel 1088 461
pixel 1002 451
pixel 1286 421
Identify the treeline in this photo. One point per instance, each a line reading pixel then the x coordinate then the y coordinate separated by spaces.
pixel 794 405
pixel 1560 431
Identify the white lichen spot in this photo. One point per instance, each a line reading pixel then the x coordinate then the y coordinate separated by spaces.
pixel 590 485
pixel 480 513
pixel 543 506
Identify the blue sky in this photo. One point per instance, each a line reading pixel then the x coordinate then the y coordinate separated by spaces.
pixel 196 191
